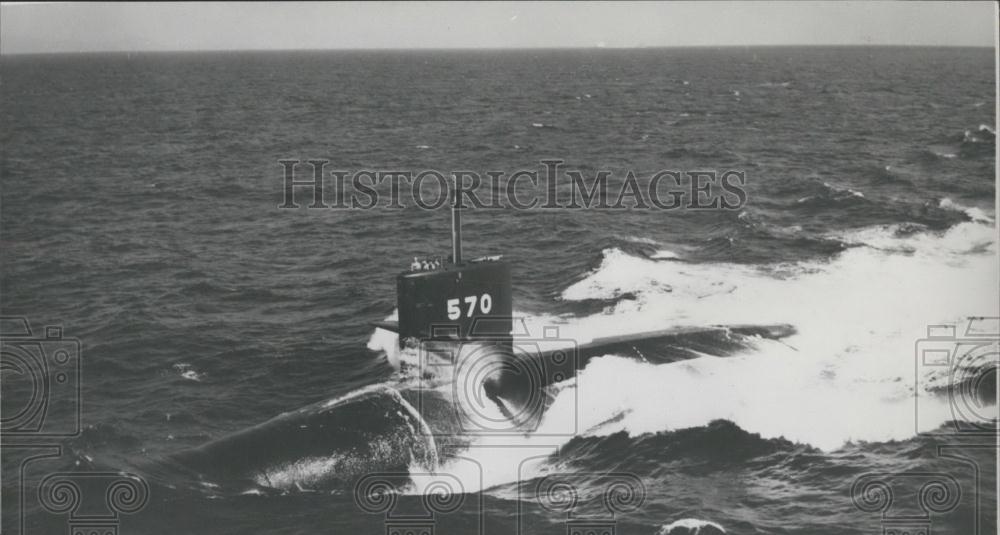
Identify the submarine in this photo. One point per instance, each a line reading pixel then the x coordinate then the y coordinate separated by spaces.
pixel 397 426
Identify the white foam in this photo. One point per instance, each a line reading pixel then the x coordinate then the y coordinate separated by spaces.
pixel 665 254
pixel 358 393
pixel 386 341
pixel 975 214
pixel 188 372
pixel 641 239
pixel 858 318
pixel 307 471
pixel 691 526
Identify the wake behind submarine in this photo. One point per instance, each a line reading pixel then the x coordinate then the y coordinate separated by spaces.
pixel 443 307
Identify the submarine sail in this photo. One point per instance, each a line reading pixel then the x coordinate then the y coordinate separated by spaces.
pixel 456 299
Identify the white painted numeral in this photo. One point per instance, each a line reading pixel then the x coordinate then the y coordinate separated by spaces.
pixel 453 311
pixel 485 306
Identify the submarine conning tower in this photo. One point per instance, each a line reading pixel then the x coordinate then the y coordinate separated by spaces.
pixel 454 299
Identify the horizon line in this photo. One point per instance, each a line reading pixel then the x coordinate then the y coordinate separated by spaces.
pixel 492 49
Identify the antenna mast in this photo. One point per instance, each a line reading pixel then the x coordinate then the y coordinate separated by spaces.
pixel 456 226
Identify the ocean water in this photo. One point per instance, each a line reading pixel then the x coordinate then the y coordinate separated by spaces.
pixel 139 211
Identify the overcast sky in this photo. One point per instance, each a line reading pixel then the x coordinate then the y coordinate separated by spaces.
pixel 46 27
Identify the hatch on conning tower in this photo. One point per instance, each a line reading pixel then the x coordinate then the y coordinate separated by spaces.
pixel 452 298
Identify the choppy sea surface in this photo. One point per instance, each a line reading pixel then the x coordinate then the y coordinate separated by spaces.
pixel 138 210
